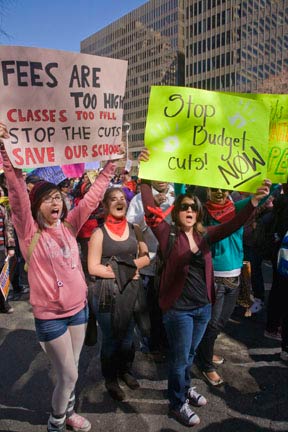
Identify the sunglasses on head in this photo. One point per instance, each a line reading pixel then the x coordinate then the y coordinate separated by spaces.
pixel 186 206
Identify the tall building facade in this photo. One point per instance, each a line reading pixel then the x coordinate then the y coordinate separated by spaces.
pixel 151 38
pixel 231 45
pixel 236 45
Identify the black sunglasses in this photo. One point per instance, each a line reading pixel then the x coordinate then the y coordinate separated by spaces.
pixel 186 206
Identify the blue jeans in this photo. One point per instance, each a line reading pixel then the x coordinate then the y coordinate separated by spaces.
pixel 184 331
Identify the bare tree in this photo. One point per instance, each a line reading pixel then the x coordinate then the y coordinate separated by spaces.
pixel 275 83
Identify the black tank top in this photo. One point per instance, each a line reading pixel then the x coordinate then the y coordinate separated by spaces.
pixel 112 247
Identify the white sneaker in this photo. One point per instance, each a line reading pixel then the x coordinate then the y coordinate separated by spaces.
pixel 185 415
pixel 257 306
pixel 195 398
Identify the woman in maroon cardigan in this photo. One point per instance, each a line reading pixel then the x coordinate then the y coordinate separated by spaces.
pixel 187 287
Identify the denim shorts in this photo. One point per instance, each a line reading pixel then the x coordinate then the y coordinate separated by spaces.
pixel 47 330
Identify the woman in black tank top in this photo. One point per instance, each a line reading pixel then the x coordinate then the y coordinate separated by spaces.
pixel 116 253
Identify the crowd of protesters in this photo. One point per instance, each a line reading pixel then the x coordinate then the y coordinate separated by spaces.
pixel 119 224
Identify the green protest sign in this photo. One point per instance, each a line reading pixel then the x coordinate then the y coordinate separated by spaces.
pixel 277 159
pixel 206 138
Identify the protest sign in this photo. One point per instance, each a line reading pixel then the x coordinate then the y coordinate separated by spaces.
pixel 277 162
pixel 73 170
pixel 205 138
pixel 60 107
pixel 53 174
pixel 6 275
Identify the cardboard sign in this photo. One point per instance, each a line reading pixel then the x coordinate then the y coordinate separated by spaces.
pixel 206 138
pixel 60 107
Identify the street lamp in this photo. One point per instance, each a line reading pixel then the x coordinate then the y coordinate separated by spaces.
pixel 126 129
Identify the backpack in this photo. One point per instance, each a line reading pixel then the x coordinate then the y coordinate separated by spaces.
pixel 282 258
pixel 161 259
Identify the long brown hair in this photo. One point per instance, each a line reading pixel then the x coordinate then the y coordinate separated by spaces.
pixel 199 212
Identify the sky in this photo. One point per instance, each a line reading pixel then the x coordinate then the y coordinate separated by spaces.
pixel 58 24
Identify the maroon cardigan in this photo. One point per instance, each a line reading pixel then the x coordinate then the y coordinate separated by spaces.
pixel 177 265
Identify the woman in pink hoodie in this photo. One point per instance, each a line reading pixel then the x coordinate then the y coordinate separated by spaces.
pixel 58 291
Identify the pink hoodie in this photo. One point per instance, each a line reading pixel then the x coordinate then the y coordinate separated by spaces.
pixel 57 284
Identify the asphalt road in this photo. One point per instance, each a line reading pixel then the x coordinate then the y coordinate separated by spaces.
pixel 254 397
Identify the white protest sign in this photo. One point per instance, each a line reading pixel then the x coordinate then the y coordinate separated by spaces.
pixel 60 107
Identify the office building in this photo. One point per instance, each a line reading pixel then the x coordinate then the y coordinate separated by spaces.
pixel 236 45
pixel 151 38
pixel 231 45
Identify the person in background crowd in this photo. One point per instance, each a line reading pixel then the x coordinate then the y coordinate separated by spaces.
pixel 187 286
pixel 164 197
pixel 76 192
pixel 95 219
pixel 116 180
pixel 254 253
pixel 7 237
pixel 58 291
pixel 20 279
pixel 66 192
pixel 116 253
pixel 127 181
pixel 227 262
pixel 276 324
pixel 128 185
pixel 31 180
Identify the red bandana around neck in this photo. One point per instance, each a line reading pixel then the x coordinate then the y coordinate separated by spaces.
pixel 221 212
pixel 116 226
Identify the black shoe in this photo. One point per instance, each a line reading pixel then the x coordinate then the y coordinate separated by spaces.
pixel 115 390
pixel 130 381
pixel 7 309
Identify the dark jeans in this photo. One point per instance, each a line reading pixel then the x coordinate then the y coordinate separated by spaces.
pixel 184 331
pixel 111 345
pixel 227 290
pixel 257 280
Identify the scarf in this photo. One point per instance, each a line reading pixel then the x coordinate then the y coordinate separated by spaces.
pixel 221 212
pixel 116 226
pixel 157 215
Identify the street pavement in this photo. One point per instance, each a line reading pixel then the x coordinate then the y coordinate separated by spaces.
pixel 254 397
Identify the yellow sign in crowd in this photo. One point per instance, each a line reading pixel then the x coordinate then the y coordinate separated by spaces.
pixel 232 141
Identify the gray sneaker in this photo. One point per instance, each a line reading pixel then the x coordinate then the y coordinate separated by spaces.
pixel 185 415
